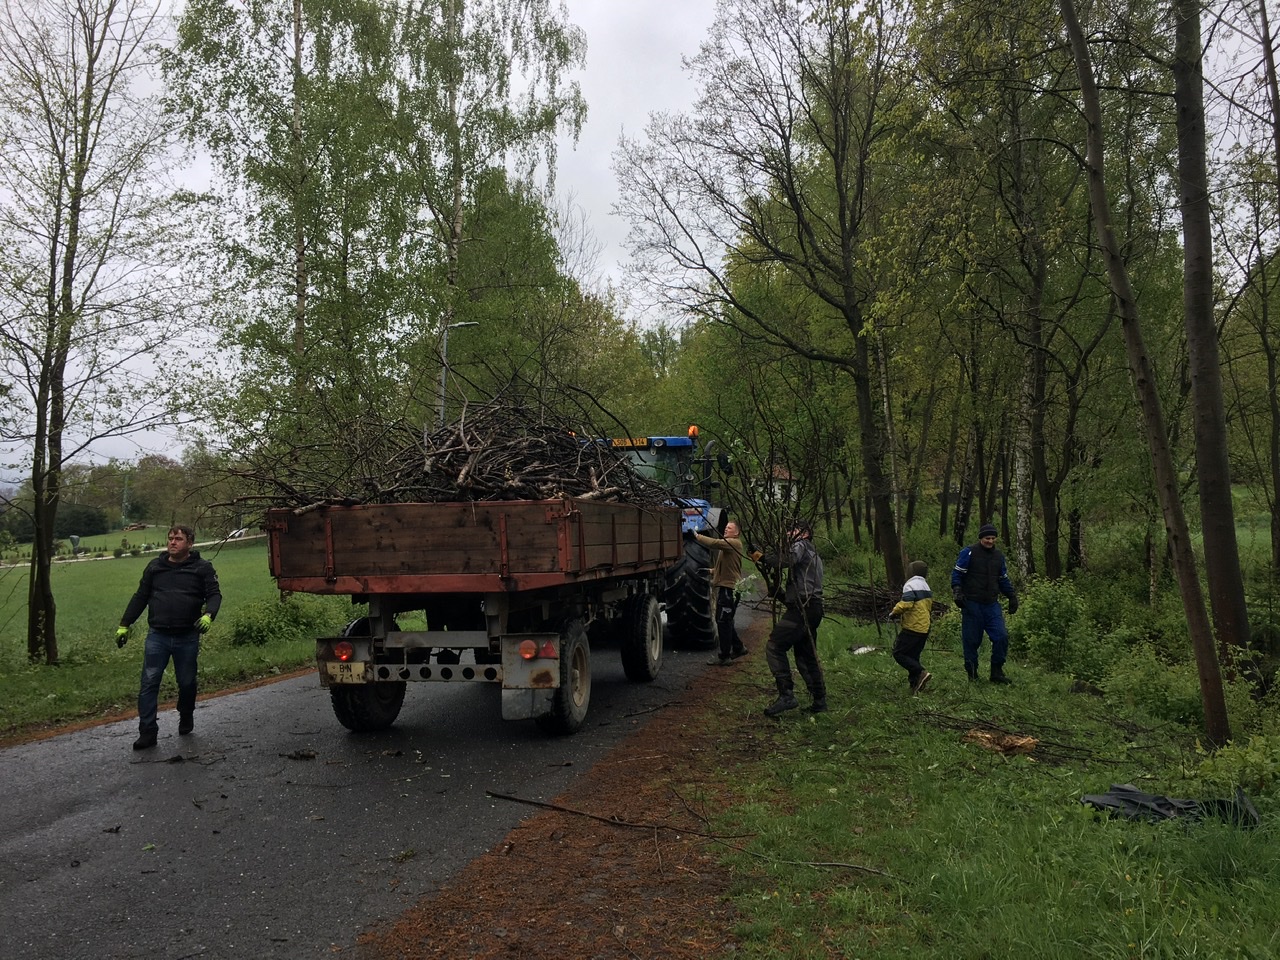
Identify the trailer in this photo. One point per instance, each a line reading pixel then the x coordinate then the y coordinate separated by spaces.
pixel 513 594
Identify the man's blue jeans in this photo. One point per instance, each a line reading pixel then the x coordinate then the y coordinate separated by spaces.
pixel 184 649
pixel 976 618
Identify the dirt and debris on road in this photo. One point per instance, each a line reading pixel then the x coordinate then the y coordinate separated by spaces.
pixel 622 867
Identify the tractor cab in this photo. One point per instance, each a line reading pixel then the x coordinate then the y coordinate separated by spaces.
pixel 680 465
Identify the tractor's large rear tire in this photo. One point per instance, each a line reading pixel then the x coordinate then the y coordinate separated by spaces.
pixel 641 638
pixel 569 707
pixel 365 707
pixel 690 600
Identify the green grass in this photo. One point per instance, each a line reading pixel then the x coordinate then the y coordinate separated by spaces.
pixel 95 678
pixel 877 831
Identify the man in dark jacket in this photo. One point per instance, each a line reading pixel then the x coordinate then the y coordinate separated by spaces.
pixel 181 594
pixel 979 577
pixel 797 630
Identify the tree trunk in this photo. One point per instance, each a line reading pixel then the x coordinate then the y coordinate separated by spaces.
pixel 1273 391
pixel 890 432
pixel 1023 487
pixel 1075 540
pixel 916 466
pixel 1217 726
pixel 947 468
pixel 878 486
pixel 1213 464
pixel 300 278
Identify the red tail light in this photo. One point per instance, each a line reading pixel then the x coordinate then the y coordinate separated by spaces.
pixel 343 650
pixel 530 651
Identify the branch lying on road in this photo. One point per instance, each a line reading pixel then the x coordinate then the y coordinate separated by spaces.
pixel 612 821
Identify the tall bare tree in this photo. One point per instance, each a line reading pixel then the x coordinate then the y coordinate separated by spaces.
pixel 1217 726
pixel 91 279
pixel 755 210
pixel 1213 466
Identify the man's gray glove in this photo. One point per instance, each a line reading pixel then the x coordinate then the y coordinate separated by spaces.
pixel 1013 603
pixel 958 594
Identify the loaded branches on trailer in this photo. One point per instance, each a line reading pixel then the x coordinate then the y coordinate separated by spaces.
pixel 494 451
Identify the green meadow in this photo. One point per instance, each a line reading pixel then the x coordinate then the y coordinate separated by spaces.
pixel 254 636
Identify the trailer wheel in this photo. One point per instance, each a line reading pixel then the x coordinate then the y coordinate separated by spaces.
pixel 690 599
pixel 569 706
pixel 365 707
pixel 642 638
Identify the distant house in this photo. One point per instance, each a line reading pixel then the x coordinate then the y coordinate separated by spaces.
pixel 780 486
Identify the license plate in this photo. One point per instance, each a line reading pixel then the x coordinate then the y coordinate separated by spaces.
pixel 344 672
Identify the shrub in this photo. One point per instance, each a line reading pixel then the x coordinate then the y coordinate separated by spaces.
pixel 922 542
pixel 1248 713
pixel 1113 600
pixel 1165 691
pixel 299 617
pixel 945 633
pixel 118 552
pixel 841 557
pixel 1252 765
pixel 1053 629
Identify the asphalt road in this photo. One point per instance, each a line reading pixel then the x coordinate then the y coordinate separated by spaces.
pixel 271 831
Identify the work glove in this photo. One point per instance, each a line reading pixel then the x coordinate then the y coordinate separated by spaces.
pixel 204 623
pixel 958 594
pixel 1013 604
pixel 756 555
pixel 688 536
pixel 122 636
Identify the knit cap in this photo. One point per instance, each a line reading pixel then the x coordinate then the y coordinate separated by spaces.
pixel 987 530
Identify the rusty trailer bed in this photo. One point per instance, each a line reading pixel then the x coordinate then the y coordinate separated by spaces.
pixel 466 547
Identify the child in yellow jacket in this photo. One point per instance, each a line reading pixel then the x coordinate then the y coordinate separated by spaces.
pixel 916 610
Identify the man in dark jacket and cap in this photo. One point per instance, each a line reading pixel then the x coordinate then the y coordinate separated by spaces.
pixel 979 577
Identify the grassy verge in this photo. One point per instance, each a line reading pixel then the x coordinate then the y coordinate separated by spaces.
pixel 878 830
pixel 95 679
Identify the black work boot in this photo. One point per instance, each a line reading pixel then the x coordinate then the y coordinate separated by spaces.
pixel 997 674
pixel 146 739
pixel 786 701
pixel 819 705
pixel 186 723
pixel 972 670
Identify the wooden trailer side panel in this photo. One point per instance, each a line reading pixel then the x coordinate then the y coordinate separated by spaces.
pixel 425 547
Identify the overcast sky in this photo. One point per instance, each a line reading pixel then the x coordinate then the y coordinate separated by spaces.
pixel 634 51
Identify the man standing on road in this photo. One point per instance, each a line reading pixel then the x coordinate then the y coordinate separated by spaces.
pixel 979 577
pixel 798 628
pixel 725 570
pixel 180 591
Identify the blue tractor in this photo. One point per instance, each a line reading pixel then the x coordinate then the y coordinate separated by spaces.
pixel 680 465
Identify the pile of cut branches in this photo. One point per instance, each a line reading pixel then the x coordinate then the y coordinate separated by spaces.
pixel 869 604
pixel 865 603
pixel 494 451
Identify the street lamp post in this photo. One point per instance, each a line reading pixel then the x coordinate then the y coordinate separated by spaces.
pixel 444 365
